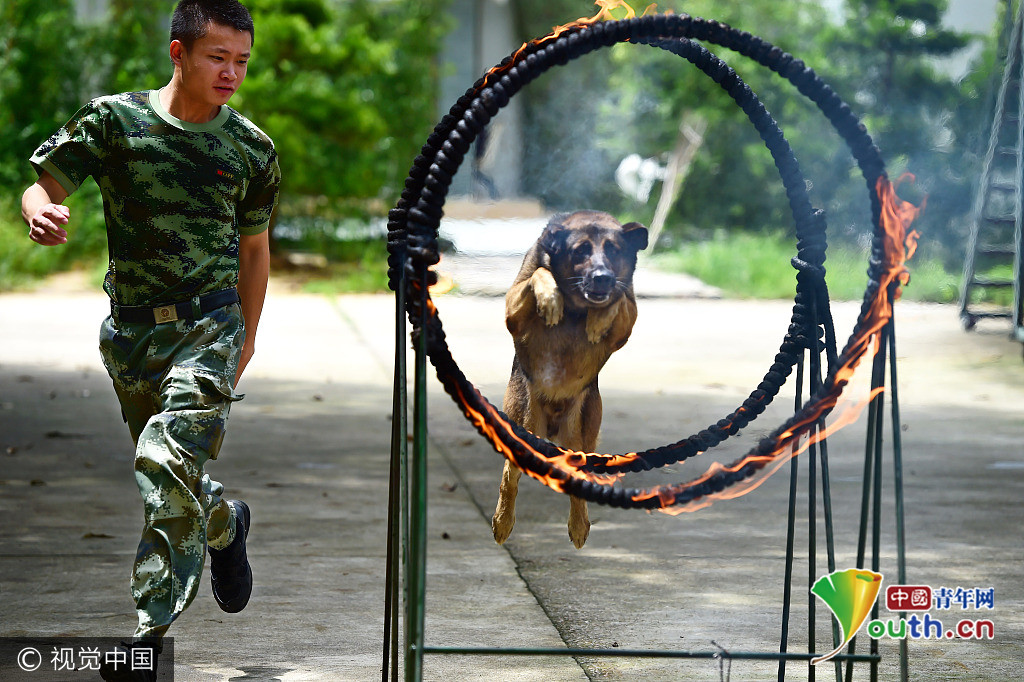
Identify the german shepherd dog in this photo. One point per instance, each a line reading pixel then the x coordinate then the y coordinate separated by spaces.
pixel 571 306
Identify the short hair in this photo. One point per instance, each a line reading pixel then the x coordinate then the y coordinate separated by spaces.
pixel 192 18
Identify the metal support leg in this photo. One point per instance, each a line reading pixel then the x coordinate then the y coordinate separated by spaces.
pixel 399 455
pixel 897 463
pixel 787 589
pixel 416 564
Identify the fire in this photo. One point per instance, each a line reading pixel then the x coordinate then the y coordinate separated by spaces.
pixel 444 284
pixel 789 446
pixel 604 14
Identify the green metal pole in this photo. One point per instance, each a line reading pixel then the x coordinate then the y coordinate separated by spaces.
pixel 897 463
pixel 417 563
pixel 830 545
pixel 877 374
pixel 816 384
pixel 876 513
pixel 787 589
pixel 812 550
pixel 395 501
pixel 630 653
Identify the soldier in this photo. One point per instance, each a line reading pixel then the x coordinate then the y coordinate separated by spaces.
pixel 188 188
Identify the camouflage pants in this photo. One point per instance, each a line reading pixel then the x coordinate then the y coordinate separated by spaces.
pixel 174 383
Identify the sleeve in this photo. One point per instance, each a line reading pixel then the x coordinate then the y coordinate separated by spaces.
pixel 75 151
pixel 260 199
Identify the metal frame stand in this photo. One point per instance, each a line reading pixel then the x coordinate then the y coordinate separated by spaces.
pixel 412 244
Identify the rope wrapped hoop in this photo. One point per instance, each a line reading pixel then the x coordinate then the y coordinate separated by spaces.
pixel 413 248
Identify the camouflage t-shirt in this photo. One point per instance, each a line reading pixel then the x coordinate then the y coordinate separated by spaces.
pixel 176 195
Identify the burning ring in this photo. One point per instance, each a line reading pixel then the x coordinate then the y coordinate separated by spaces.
pixel 412 246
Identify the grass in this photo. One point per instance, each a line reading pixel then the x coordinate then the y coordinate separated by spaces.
pixel 757 266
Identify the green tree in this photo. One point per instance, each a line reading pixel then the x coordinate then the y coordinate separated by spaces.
pixel 40 71
pixel 128 47
pixel 882 61
pixel 345 90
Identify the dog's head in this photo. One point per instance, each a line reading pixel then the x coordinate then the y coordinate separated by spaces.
pixel 592 256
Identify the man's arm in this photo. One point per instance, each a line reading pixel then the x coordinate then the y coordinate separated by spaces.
pixel 42 211
pixel 253 273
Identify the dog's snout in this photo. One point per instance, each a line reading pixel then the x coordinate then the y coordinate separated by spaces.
pixel 604 279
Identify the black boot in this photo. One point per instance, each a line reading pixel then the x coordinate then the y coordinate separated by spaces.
pixel 230 573
pixel 137 666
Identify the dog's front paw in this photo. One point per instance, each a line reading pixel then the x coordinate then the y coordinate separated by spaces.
pixel 549 298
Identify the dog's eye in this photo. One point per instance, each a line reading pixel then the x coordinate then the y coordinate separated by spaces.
pixel 581 252
pixel 611 250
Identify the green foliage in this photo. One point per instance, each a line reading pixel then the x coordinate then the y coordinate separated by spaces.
pixel 347 90
pixel 129 47
pixel 39 76
pixel 358 269
pixel 342 88
pixel 918 115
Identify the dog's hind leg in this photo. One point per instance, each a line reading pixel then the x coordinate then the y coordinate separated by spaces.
pixel 588 426
pixel 505 513
pixel 579 521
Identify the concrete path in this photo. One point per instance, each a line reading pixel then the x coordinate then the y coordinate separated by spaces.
pixel 308 449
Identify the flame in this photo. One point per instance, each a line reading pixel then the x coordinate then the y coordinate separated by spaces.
pixel 788 447
pixel 445 282
pixel 604 14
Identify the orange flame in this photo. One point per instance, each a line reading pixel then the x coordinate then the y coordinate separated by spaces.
pixel 604 14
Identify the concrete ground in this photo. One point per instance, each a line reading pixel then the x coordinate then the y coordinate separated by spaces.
pixel 308 449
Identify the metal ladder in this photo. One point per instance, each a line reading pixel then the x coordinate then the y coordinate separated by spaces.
pixel 996 219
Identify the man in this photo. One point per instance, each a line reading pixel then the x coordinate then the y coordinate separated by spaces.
pixel 188 189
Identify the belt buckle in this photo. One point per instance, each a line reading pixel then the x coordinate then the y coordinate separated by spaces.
pixel 165 313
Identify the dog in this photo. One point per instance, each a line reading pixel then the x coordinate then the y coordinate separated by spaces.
pixel 571 306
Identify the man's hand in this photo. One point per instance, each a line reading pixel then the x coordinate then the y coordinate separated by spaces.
pixel 45 227
pixel 43 212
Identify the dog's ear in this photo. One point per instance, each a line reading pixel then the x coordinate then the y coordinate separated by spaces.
pixel 635 235
pixel 552 240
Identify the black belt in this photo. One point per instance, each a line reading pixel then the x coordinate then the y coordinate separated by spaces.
pixel 192 309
